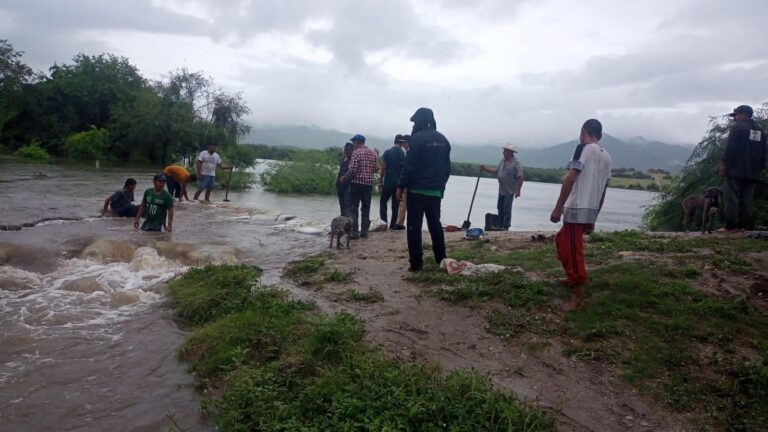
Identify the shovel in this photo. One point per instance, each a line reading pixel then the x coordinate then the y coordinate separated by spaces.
pixel 465 226
pixel 226 194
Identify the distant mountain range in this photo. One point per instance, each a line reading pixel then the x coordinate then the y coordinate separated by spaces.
pixel 639 153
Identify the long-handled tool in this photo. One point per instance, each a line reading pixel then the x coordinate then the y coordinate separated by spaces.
pixel 226 194
pixel 465 226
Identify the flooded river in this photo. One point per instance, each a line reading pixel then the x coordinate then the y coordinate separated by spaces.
pixel 86 342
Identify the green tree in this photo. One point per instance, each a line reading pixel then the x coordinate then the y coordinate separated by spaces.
pixel 88 145
pixel 14 74
pixel 701 172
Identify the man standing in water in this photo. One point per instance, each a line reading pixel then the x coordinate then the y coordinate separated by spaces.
pixel 581 199
pixel 177 178
pixel 510 175
pixel 426 171
pixel 342 188
pixel 207 162
pixel 391 167
pixel 122 201
pixel 157 204
pixel 362 165
pixel 742 167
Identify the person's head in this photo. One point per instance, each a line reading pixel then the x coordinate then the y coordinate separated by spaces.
pixel 130 184
pixel 423 119
pixel 358 140
pixel 508 150
pixel 406 142
pixel 399 140
pixel 192 178
pixel 348 148
pixel 591 132
pixel 159 182
pixel 212 147
pixel 741 113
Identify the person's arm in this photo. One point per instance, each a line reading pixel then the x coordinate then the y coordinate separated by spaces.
pixel 382 172
pixel 169 225
pixel 448 162
pixel 199 167
pixel 352 169
pixel 106 204
pixel 520 180
pixel 730 149
pixel 139 213
pixel 490 170
pixel 183 193
pixel 565 191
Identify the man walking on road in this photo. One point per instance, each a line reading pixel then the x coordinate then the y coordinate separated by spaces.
pixel 426 171
pixel 510 175
pixel 581 199
pixel 362 166
pixel 742 166
pixel 391 167
pixel 207 162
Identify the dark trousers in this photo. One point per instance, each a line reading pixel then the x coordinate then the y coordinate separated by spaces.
pixel 389 192
pixel 360 200
pixel 129 211
pixel 738 198
pixel 419 206
pixel 173 188
pixel 342 193
pixel 504 207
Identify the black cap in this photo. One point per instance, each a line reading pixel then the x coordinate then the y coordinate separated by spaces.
pixel 399 139
pixel 742 109
pixel 159 177
pixel 407 138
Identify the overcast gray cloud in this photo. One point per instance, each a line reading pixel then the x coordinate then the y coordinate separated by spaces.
pixel 524 71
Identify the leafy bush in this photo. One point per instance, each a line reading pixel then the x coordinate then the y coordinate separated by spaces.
pixel 88 145
pixel 306 173
pixel 32 152
pixel 701 172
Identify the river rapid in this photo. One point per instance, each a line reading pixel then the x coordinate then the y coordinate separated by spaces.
pixel 87 342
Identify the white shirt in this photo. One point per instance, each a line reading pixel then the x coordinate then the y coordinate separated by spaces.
pixel 594 165
pixel 210 161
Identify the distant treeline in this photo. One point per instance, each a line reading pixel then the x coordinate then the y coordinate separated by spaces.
pixel 101 107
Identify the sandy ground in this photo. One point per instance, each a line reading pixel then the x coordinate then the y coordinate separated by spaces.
pixel 416 327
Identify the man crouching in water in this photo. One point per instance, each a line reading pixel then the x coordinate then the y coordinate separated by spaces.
pixel 157 204
pixel 581 199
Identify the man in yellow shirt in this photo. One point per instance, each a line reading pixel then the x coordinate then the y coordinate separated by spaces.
pixel 177 179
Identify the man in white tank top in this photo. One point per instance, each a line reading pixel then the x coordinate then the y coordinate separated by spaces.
pixel 581 199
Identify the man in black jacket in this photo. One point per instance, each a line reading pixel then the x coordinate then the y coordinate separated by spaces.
pixel 742 166
pixel 426 171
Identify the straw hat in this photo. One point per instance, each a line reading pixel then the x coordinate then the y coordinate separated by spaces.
pixel 510 147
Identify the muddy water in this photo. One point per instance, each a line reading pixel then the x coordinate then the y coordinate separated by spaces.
pixel 86 342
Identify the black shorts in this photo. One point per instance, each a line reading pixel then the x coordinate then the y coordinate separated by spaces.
pixel 174 188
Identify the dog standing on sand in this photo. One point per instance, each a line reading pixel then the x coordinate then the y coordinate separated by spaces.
pixel 340 226
pixel 708 203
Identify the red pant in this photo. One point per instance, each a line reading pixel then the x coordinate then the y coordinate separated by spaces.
pixel 570 252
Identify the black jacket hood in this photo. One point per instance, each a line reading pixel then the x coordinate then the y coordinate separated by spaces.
pixel 423 119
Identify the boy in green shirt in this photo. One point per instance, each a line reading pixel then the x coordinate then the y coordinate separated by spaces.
pixel 158 204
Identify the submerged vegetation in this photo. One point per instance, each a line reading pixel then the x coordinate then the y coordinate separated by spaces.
pixel 700 352
pixel 284 366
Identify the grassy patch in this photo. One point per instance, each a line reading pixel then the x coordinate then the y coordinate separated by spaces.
pixel 535 259
pixel 669 339
pixel 285 369
pixel 210 292
pixel 372 296
pixel 338 276
pixel 304 268
pixel 313 271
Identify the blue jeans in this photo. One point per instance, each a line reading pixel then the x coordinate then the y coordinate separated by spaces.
pixel 206 182
pixel 504 207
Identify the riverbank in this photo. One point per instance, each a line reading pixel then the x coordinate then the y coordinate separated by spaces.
pixel 673 335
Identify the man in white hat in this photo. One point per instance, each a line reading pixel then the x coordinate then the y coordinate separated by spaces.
pixel 510 175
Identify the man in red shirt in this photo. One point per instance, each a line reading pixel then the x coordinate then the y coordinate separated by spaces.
pixel 362 165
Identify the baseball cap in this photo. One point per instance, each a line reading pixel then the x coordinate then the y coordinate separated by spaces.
pixel 742 109
pixel 159 177
pixel 509 147
pixel 358 137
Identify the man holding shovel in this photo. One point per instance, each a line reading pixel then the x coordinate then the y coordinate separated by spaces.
pixel 510 175
pixel 207 162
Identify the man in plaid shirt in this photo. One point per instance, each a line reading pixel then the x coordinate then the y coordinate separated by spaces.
pixel 362 165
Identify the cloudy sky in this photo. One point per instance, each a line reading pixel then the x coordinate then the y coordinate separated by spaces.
pixel 528 71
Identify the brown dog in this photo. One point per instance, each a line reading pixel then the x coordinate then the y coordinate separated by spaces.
pixel 340 226
pixel 708 203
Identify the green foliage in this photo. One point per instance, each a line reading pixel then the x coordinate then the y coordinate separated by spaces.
pixel 32 152
pixel 88 145
pixel 372 296
pixel 207 293
pixel 305 173
pixel 701 172
pixel 285 369
pixel 240 180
